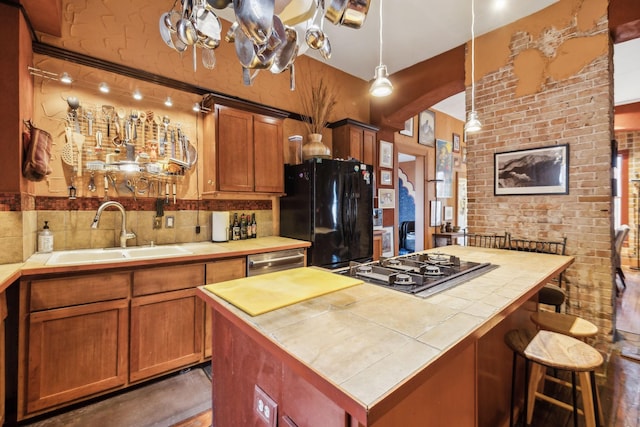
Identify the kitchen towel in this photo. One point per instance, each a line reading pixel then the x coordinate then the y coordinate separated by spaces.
pixel 260 294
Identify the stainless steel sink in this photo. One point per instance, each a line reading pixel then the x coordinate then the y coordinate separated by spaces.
pixel 94 256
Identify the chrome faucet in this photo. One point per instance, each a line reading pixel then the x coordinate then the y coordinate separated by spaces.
pixel 124 236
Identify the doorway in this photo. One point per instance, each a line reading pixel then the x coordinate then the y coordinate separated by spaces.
pixel 411 212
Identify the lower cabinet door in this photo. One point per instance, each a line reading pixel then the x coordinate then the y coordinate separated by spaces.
pixel 75 352
pixel 166 333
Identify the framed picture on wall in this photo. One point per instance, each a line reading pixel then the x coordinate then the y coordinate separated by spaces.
pixel 408 128
pixel 386 154
pixel 534 171
pixel 427 128
pixel 456 142
pixel 386 198
pixel 448 213
pixel 386 177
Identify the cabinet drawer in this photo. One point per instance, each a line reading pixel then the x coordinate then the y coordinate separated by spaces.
pixel 226 269
pixel 163 279
pixel 56 293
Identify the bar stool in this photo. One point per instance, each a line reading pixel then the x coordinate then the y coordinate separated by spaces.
pixel 566 324
pixel 517 340
pixel 559 351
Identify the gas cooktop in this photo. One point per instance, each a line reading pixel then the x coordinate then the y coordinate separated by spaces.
pixel 421 274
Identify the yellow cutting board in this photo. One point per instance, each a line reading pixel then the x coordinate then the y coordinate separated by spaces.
pixel 261 294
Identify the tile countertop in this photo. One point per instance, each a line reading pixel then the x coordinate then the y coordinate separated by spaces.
pixel 391 335
pixel 201 251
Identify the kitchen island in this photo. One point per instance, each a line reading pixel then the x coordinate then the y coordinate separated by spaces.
pixel 370 356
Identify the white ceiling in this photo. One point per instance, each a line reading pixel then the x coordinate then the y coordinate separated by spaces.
pixel 416 30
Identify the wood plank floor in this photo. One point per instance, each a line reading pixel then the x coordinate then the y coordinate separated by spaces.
pixel 617 382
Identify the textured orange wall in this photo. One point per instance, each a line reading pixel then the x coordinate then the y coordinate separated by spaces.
pixel 552 56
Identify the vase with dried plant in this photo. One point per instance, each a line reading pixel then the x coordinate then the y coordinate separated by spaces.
pixel 318 103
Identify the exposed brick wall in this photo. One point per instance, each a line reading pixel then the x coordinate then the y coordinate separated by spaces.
pixel 575 111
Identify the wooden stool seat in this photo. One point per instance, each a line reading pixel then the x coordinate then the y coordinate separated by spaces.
pixel 566 324
pixel 556 350
pixel 560 351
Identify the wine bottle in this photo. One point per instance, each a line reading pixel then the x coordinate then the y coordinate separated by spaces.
pixel 243 227
pixel 236 227
pixel 254 226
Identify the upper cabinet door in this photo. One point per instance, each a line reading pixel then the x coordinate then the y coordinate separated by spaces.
pixel 269 156
pixel 248 154
pixel 234 141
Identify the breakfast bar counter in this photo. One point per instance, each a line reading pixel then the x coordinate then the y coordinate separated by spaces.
pixel 370 356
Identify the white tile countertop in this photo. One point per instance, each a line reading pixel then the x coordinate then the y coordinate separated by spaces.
pixel 368 340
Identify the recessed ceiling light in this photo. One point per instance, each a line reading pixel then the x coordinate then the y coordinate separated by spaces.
pixel 196 107
pixel 168 102
pixel 104 88
pixel 499 4
pixel 137 95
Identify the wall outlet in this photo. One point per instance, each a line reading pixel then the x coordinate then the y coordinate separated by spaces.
pixel 169 222
pixel 265 407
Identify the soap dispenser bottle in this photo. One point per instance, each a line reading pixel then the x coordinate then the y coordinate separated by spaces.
pixel 45 239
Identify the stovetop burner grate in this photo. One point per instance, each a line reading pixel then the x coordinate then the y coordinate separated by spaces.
pixel 421 274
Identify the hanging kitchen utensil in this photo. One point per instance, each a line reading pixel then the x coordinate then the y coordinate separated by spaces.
pixel 208 27
pixel 325 50
pixel 171 22
pixel 107 114
pixel 230 37
pixel 78 139
pixel 287 53
pixel 184 27
pixel 74 104
pixel 67 154
pixel 92 183
pixel 165 33
pixel 314 36
pixel 98 146
pixel 255 18
pixel 355 13
pixel 208 59
pixel 89 116
pixel 219 4
pixel 334 9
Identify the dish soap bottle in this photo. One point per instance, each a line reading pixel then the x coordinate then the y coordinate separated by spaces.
pixel 45 239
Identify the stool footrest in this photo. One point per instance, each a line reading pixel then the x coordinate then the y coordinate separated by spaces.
pixel 557 402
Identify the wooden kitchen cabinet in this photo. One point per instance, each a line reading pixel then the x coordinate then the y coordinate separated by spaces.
pixel 166 320
pixel 220 271
pixel 247 155
pixel 352 139
pixel 74 335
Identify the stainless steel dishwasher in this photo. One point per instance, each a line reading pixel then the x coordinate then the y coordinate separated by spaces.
pixel 269 262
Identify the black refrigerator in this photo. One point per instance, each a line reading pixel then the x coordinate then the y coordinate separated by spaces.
pixel 330 204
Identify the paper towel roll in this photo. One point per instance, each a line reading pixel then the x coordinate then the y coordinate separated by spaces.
pixel 220 226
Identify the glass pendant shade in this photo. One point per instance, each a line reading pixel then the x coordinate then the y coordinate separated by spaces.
pixel 381 85
pixel 472 124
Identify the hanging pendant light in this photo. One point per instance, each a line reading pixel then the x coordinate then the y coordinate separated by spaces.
pixel 473 123
pixel 381 85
